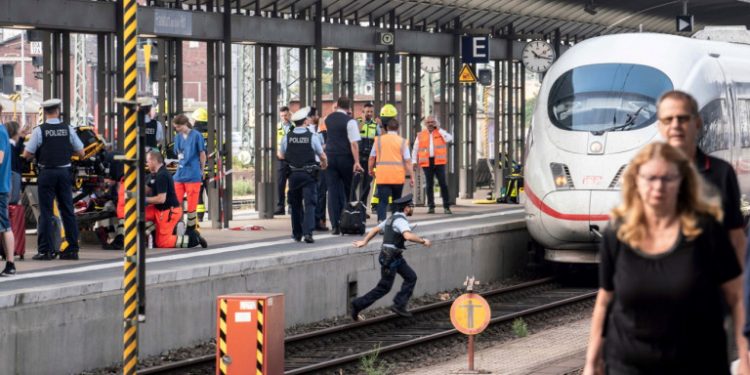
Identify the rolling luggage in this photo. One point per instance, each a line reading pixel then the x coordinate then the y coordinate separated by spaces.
pixel 17 215
pixel 354 215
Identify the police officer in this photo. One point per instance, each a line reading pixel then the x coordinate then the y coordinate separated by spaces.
pixel 368 130
pixel 299 149
pixel 53 143
pixel 284 128
pixel 154 128
pixel 342 146
pixel 320 209
pixel 396 231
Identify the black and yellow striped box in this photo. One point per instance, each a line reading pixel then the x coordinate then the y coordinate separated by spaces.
pixel 250 334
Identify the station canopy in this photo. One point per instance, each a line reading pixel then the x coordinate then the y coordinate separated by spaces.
pixel 531 18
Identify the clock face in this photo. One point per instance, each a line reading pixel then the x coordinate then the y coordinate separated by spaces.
pixel 538 56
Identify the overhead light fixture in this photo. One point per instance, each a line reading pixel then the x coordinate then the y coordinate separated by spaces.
pixel 402 53
pixel 330 48
pixel 247 42
pixel 147 35
pixel 22 27
pixel 590 8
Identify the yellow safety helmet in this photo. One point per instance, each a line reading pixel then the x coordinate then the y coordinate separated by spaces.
pixel 388 110
pixel 200 114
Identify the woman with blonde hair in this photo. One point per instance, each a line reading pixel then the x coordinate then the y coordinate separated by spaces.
pixel 666 264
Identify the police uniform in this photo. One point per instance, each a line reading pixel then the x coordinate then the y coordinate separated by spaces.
pixel 162 218
pixel 300 148
pixel 152 127
pixel 368 130
pixel 392 262
pixel 342 131
pixel 53 143
pixel 281 132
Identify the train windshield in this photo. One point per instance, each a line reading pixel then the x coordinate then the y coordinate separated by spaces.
pixel 607 97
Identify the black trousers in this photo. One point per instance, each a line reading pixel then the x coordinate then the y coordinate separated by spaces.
pixel 385 191
pixel 339 181
pixel 367 183
pixel 320 208
pixel 281 184
pixel 303 197
pixel 385 284
pixel 55 183
pixel 430 173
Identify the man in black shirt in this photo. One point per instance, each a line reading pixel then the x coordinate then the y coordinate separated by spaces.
pixel 163 210
pixel 679 125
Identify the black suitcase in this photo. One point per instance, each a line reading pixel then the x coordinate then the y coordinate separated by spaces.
pixel 354 215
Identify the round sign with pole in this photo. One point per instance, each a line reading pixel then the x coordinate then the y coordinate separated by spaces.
pixel 470 314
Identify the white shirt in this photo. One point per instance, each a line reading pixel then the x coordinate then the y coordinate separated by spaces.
pixel 352 128
pixel 446 136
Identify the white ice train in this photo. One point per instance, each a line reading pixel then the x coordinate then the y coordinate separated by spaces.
pixel 597 108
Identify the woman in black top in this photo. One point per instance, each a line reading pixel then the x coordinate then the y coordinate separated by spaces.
pixel 666 264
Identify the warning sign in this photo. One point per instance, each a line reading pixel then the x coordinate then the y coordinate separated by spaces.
pixel 470 314
pixel 467 75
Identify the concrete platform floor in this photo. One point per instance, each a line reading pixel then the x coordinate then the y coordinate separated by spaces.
pixel 246 228
pixel 556 351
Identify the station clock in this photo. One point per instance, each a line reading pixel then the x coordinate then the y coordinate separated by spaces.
pixel 538 56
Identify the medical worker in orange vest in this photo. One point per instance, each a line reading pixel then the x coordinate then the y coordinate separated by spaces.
pixel 431 153
pixel 389 164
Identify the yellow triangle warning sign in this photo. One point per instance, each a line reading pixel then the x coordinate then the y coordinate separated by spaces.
pixel 467 75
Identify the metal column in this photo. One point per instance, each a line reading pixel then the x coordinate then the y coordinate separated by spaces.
pixel 214 100
pixel 226 154
pixel 456 127
pixel 497 171
pixel 510 123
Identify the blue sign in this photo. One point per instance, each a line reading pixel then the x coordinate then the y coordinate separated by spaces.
pixel 475 49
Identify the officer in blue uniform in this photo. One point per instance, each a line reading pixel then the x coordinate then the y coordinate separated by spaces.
pixel 301 149
pixel 396 231
pixel 53 143
pixel 154 128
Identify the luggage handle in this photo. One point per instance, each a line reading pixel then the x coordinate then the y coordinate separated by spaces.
pixel 353 197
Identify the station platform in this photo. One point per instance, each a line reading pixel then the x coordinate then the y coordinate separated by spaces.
pixel 77 305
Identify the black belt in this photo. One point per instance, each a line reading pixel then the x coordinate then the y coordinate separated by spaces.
pixel 307 168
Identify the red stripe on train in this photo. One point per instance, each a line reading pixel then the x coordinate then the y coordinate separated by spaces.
pixel 557 214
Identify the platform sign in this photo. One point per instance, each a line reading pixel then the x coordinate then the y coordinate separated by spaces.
pixel 684 23
pixel 475 49
pixel 467 75
pixel 470 314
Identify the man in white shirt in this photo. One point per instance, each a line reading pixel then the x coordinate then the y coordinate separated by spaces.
pixel 430 152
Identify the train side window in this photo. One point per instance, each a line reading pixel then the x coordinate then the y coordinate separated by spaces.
pixel 716 132
pixel 743 118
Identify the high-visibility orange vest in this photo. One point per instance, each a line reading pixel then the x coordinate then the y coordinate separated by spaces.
pixel 389 160
pixel 438 145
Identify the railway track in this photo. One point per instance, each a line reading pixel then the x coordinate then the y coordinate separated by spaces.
pixel 341 348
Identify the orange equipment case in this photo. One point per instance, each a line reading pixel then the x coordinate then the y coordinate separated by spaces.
pixel 250 334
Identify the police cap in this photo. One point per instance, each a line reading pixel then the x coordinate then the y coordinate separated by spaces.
pixel 302 114
pixel 146 101
pixel 404 201
pixel 51 103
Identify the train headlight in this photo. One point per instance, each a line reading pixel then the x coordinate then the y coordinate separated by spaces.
pixel 561 176
pixel 596 147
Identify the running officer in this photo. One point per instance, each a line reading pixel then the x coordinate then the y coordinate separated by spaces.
pixel 396 231
pixel 368 130
pixel 190 149
pixel 163 210
pixel 285 126
pixel 431 154
pixel 299 149
pixel 154 128
pixel 390 164
pixel 53 143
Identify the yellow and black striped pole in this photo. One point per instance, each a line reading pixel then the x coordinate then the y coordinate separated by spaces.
pixel 259 348
pixel 130 280
pixel 223 337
